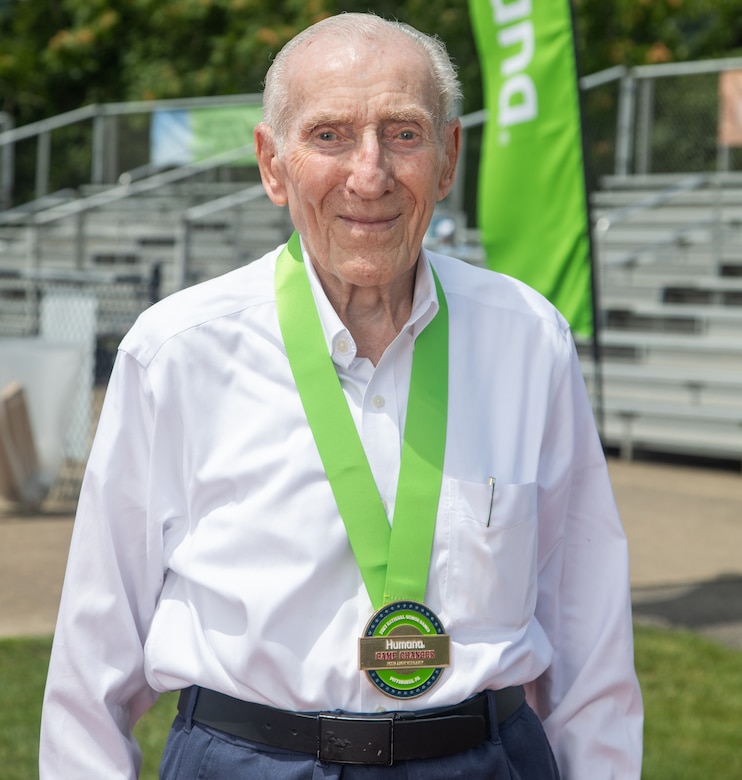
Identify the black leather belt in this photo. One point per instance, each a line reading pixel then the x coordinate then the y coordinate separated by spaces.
pixel 355 739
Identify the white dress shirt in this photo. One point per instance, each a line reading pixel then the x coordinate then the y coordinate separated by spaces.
pixel 208 549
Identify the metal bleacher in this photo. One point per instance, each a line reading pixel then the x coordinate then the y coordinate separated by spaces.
pixel 669 254
pixel 668 258
pixel 118 248
pixel 160 233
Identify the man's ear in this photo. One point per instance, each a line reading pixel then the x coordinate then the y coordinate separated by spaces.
pixel 452 148
pixel 271 170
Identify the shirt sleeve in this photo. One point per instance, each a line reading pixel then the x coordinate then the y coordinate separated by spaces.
pixel 96 686
pixel 589 698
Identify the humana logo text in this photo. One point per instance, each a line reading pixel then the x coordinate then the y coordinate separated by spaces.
pixel 405 644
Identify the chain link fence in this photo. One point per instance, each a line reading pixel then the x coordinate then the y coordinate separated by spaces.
pixel 78 314
pixel 677 124
pixel 659 119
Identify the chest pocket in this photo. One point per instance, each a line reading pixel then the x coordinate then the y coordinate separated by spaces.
pixel 492 566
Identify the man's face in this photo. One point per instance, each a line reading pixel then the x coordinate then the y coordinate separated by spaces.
pixel 363 162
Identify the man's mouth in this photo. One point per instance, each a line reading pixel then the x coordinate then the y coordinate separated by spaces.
pixel 370 224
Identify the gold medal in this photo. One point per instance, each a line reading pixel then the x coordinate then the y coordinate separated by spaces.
pixel 404 649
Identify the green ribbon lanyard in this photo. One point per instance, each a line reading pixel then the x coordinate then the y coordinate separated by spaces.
pixel 394 561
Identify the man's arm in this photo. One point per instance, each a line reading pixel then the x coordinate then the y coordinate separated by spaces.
pixel 589 698
pixel 96 688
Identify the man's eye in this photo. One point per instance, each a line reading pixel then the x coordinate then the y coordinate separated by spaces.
pixel 327 135
pixel 407 135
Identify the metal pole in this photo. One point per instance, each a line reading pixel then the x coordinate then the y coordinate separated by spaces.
pixel 80 240
pixel 718 224
pixel 33 290
pixel 183 258
pixel 8 165
pixel 597 236
pixel 644 126
pixel 111 169
pixel 722 159
pixel 43 158
pixel 99 147
pixel 624 130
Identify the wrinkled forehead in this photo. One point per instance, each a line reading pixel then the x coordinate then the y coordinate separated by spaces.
pixel 336 62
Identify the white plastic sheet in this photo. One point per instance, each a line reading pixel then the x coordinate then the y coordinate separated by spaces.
pixel 49 373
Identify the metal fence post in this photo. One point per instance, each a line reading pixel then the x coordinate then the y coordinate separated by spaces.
pixel 644 126
pixel 34 264
pixel 80 240
pixel 183 258
pixel 99 146
pixel 110 166
pixel 718 224
pixel 722 158
pixel 625 125
pixel 43 156
pixel 7 164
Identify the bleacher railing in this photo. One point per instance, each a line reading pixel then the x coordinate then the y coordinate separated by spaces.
pixel 106 138
pixel 646 120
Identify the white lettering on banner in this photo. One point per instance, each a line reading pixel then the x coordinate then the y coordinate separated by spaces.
pixel 517 101
pixel 508 12
pixel 511 113
pixel 521 33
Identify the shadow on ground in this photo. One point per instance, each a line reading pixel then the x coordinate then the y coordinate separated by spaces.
pixel 712 608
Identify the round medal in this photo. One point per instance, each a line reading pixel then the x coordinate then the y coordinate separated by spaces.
pixel 404 649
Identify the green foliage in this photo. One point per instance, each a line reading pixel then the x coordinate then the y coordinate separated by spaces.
pixel 88 51
pixel 642 32
pixel 25 29
pixel 60 55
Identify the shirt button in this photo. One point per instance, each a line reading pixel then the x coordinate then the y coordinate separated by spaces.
pixel 342 346
pixel 378 401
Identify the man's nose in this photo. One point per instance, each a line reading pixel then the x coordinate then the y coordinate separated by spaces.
pixel 370 173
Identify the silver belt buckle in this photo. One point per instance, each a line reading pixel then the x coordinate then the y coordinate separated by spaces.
pixel 346 740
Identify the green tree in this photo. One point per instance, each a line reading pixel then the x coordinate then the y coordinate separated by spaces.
pixel 61 54
pixel 643 32
pixel 67 53
pixel 25 29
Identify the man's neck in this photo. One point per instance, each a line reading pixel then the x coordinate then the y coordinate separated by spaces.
pixel 373 315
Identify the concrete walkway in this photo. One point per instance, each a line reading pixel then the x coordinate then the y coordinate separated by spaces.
pixel 684 527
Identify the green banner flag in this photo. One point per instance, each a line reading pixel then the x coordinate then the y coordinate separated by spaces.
pixel 533 211
pixel 182 136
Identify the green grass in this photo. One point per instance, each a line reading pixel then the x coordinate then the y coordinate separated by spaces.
pixel 692 697
pixel 693 706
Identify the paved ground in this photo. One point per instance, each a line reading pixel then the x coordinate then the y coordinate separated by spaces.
pixel 684 527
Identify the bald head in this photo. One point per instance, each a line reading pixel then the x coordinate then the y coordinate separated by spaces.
pixel 348 27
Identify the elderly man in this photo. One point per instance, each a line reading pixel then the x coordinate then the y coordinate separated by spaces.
pixel 350 499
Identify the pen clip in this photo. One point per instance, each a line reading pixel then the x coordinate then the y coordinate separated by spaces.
pixel 491 482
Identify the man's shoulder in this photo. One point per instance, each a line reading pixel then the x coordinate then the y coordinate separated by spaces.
pixel 227 295
pixel 491 290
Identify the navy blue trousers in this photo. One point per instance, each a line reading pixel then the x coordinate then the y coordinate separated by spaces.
pixel 516 750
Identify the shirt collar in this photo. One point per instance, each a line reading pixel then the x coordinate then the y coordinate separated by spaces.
pixel 340 343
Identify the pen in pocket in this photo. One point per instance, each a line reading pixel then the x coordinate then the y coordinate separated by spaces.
pixel 491 482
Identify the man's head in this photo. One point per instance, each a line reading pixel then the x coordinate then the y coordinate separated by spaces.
pixel 276 105
pixel 357 140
